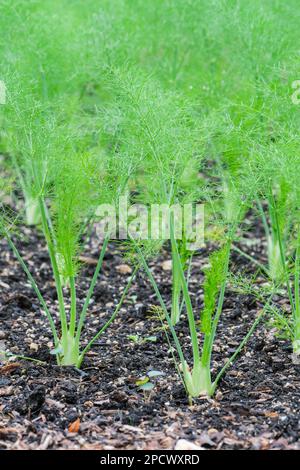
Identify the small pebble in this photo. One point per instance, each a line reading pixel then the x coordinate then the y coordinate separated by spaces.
pixel 2 334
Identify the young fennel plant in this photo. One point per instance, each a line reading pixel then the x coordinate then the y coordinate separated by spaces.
pixel 290 268
pixel 67 342
pixel 197 378
pixel 70 183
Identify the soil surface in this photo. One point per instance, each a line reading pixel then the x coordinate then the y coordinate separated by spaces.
pixel 43 406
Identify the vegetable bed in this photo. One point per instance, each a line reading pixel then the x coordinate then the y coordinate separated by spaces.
pixel 256 406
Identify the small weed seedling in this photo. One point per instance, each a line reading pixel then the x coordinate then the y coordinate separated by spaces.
pixel 137 339
pixel 146 383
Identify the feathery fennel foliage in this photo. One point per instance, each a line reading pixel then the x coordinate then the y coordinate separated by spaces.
pixel 156 129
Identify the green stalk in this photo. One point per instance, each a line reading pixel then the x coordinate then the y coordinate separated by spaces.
pixel 33 284
pixel 296 279
pixel 296 311
pixel 161 301
pixel 111 319
pixel 198 381
pixel 277 262
pixel 91 289
pixel 187 299
pixel 283 260
pixel 176 291
pixel 73 313
pixel 272 240
pixel 171 349
pixel 64 282
pixel 209 339
pixel 187 280
pixel 32 215
pixel 204 368
pixel 56 274
pixel 263 217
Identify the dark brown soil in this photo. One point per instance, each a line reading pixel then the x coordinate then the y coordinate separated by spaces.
pixel 256 406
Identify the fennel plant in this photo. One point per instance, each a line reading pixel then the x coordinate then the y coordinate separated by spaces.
pixel 70 178
pixel 197 378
